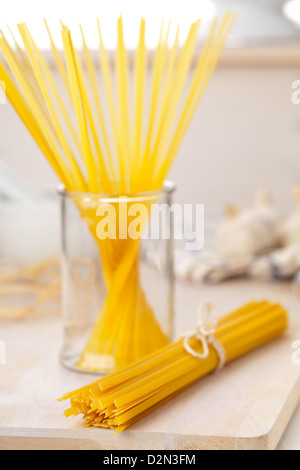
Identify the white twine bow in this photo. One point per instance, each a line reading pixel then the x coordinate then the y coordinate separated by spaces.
pixel 208 319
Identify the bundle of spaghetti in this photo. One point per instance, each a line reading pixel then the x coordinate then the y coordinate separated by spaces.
pixel 120 399
pixel 124 147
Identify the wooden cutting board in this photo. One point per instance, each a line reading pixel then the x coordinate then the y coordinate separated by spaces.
pixel 246 406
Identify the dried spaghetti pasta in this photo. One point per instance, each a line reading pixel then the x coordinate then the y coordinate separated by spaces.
pixel 114 152
pixel 119 400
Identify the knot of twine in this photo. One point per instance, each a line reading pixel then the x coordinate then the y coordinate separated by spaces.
pixel 208 319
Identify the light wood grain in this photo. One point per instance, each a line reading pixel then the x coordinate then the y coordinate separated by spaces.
pixel 246 406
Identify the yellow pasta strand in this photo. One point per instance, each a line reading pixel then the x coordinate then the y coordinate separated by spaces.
pixel 93 79
pixel 40 117
pixel 140 78
pixel 80 183
pixel 80 110
pixel 27 117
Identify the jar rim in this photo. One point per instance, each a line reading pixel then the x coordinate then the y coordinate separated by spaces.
pixel 168 188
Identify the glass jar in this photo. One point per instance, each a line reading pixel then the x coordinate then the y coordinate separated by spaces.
pixel 117 277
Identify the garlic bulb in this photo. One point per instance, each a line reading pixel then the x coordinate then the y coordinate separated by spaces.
pixel 290 230
pixel 281 264
pixel 247 233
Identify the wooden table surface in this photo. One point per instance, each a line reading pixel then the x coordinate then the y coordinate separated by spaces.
pixel 228 410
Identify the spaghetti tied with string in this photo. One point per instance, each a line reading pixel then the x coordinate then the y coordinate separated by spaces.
pixel 126 396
